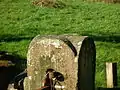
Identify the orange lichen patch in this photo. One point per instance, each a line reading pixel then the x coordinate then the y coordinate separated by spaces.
pixel 6 63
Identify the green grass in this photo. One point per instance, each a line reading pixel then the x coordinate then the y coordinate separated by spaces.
pixel 20 22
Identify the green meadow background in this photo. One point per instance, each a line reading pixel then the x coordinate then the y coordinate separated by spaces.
pixel 20 22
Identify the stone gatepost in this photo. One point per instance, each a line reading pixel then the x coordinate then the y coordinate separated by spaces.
pixel 73 56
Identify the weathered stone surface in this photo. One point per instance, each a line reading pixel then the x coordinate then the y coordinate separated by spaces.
pixel 72 55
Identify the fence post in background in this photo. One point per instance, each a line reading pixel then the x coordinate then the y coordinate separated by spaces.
pixel 111 74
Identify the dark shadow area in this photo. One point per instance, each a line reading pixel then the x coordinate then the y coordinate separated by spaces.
pixel 10 38
pixel 104 37
pixel 86 62
pixel 10 66
pixel 6 75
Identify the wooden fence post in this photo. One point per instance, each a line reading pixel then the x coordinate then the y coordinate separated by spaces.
pixel 111 74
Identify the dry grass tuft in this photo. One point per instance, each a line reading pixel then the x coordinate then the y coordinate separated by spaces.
pixel 106 1
pixel 49 3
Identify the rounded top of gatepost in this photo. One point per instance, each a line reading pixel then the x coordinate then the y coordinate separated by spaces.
pixel 64 54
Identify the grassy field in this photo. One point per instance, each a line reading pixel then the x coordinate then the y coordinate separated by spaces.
pixel 20 21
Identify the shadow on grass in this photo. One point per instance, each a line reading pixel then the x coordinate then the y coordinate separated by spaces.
pixel 10 66
pixel 114 39
pixel 104 37
pixel 15 38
